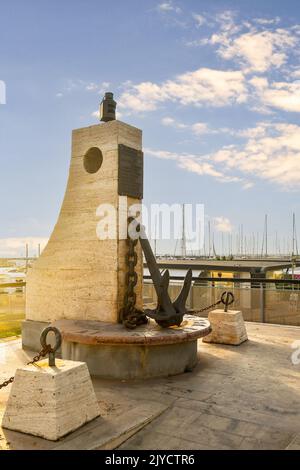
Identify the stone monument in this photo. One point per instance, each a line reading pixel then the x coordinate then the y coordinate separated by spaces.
pixel 90 286
pixel 78 276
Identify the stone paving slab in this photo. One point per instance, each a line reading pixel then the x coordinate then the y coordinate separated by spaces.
pixel 104 433
pixel 237 397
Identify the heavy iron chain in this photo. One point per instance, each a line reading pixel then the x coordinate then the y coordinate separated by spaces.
pixel 227 298
pixel 130 316
pixel 36 358
pixel 197 312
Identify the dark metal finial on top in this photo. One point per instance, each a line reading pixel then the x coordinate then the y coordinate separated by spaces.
pixel 108 108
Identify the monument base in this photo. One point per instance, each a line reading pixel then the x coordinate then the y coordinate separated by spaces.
pixel 50 402
pixel 227 327
pixel 111 351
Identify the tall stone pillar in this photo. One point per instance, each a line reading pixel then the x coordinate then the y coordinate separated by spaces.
pixel 78 275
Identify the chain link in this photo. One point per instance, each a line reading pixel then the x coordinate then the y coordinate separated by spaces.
pixel 197 312
pixel 130 316
pixel 36 358
pixel 226 299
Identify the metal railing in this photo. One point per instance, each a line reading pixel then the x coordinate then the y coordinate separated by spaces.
pixel 260 299
pixel 234 280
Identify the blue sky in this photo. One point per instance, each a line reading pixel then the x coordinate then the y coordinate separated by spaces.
pixel 215 86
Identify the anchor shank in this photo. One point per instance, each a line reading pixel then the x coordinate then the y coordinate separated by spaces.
pixel 150 258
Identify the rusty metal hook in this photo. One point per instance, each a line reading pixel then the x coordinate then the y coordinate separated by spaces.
pixel 227 298
pixel 58 341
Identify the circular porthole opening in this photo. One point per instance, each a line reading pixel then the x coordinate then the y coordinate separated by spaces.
pixel 93 160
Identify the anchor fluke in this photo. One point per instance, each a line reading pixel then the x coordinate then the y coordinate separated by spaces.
pixel 180 302
pixel 167 313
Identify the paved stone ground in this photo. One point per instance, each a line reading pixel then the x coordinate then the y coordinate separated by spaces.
pixel 244 397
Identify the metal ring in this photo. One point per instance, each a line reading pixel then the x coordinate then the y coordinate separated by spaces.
pixel 131 277
pixel 131 255
pixel 130 299
pixel 58 338
pixel 227 298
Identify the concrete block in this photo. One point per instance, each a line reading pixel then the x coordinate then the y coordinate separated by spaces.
pixel 50 402
pixel 227 327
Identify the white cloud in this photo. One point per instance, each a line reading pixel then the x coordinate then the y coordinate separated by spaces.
pixel 295 73
pixel 204 168
pixel 280 95
pixel 260 83
pixel 200 128
pixel 252 132
pixel 170 122
pixel 285 96
pixel 96 114
pixel 226 20
pixel 199 19
pixel 100 88
pixel 83 85
pixel 271 153
pixel 258 51
pixel 201 165
pixel 222 224
pixel 261 109
pixel 267 21
pixel 197 42
pixel 257 45
pixel 167 7
pixel 203 86
pixel 15 247
pixel 248 185
pixel 91 87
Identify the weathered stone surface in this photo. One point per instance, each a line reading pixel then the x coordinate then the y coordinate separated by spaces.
pixel 147 351
pixel 230 394
pixel 227 327
pixel 31 333
pixel 94 333
pixel 79 276
pixel 50 402
pixel 124 361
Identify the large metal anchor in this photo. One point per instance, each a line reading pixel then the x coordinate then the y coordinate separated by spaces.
pixel 167 313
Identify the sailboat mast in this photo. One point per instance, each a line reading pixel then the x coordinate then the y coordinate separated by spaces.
pixel 266 225
pixel 183 240
pixel 155 237
pixel 209 238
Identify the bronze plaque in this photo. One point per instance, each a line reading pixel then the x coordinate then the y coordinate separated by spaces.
pixel 131 167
